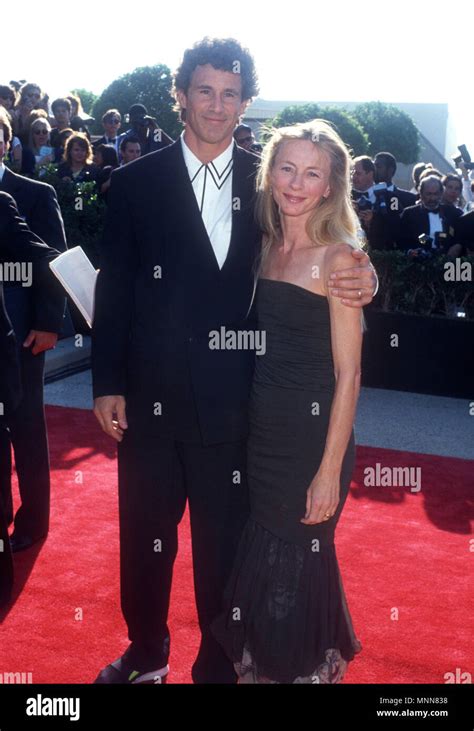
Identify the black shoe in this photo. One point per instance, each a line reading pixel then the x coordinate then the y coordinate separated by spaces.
pixel 123 673
pixel 21 543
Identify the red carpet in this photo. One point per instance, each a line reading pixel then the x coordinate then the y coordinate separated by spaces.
pixel 404 557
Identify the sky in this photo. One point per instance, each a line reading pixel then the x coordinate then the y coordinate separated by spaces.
pixel 332 51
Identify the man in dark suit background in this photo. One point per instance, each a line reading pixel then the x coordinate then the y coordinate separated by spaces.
pixel 36 330
pixel 431 218
pixel 177 262
pixel 17 245
pixel 464 232
pixel 111 121
pixel 384 231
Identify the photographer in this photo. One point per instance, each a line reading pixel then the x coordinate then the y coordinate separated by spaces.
pixel 467 172
pixel 452 192
pixel 390 201
pixel 363 195
pixel 428 228
pixel 147 129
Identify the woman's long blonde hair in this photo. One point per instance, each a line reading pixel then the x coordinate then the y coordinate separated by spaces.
pixel 334 220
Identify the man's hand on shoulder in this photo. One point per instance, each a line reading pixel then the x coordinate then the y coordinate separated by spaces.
pixel 357 285
pixel 110 413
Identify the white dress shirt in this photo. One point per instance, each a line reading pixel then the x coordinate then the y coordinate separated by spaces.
pixel 212 185
pixel 2 171
pixel 436 225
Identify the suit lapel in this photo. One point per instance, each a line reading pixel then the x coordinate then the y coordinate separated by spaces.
pixel 240 201
pixel 190 226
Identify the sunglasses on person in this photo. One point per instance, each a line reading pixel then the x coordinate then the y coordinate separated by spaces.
pixel 241 140
pixel 114 120
pixel 40 132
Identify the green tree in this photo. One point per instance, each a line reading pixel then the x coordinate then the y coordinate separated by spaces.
pixel 148 85
pixel 87 97
pixel 346 125
pixel 389 129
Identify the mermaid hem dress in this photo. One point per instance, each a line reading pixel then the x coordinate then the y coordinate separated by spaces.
pixel 285 617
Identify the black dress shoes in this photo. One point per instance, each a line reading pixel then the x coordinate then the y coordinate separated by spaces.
pixel 122 672
pixel 21 543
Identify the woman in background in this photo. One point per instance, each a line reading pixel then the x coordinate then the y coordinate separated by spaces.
pixel 77 164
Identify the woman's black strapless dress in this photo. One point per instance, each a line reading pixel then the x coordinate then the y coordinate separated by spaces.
pixel 285 615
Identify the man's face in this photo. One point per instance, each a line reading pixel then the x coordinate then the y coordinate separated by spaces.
pixel 361 180
pixel 112 126
pixel 299 177
pixel 213 104
pixel 383 173
pixel 245 138
pixel 31 98
pixel 62 116
pixel 7 102
pixel 431 194
pixel 452 191
pixel 131 152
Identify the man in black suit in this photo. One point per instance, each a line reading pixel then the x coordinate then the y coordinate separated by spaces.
pixel 384 231
pixel 111 121
pixel 178 255
pixel 464 232
pixel 146 128
pixel 37 331
pixel 18 245
pixel 431 218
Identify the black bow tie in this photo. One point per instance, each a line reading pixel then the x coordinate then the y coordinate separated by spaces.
pixel 112 142
pixel 434 210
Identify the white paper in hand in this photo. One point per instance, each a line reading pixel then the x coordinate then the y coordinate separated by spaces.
pixel 78 277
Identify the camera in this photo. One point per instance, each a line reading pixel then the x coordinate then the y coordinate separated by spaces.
pixel 463 157
pixel 425 241
pixel 364 204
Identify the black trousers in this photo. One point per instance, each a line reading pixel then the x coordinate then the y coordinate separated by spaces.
pixel 6 562
pixel 28 435
pixel 156 478
pixel 27 432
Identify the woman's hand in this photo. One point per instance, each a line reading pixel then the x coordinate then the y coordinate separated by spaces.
pixel 322 499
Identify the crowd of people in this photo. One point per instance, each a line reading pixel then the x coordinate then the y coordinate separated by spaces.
pixel 434 217
pixel 421 222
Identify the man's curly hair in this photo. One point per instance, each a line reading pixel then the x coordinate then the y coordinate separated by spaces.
pixel 225 54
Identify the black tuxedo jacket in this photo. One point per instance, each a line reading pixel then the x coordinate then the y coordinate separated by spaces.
pixel 38 205
pixel 415 221
pixel 101 141
pixel 464 232
pixel 19 244
pixel 160 293
pixel 384 230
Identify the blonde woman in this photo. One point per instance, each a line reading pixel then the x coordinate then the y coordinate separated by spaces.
pixel 286 618
pixel 39 142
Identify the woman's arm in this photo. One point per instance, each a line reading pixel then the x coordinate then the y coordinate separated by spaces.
pixel 346 339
